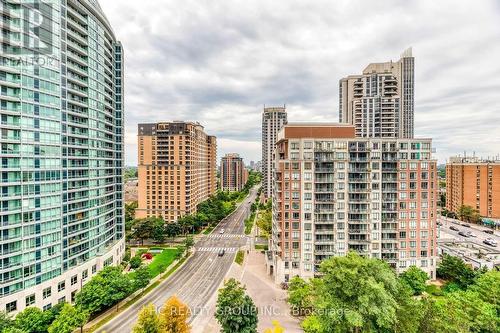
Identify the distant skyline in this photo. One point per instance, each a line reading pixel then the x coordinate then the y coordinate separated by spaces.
pixel 219 63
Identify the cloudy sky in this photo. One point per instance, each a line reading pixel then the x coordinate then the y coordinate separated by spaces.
pixel 218 62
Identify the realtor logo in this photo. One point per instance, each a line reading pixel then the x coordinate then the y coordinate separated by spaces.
pixel 29 27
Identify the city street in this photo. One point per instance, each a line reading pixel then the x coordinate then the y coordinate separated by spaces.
pixel 198 279
pixel 446 233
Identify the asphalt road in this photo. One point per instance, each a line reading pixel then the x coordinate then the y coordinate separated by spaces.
pixel 200 276
pixel 447 233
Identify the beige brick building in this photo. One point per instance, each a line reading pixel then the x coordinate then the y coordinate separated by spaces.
pixel 380 101
pixel 233 174
pixel 334 193
pixel 176 170
pixel 475 182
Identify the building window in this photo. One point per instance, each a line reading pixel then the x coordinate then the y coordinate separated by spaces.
pixel 30 300
pixel 10 307
pixel 47 307
pixel 74 280
pixel 47 292
pixel 61 286
pixel 85 274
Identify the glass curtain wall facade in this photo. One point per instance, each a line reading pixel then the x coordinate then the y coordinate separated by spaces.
pixel 61 217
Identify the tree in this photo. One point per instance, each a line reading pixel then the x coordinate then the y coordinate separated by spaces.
pixel 188 243
pixel 415 278
pixel 5 321
pixel 142 276
pixel 174 316
pixel 277 328
pixel 172 229
pixel 158 233
pixel 354 294
pixel 467 213
pixel 236 312
pixel 104 290
pixel 142 229
pixel 135 262
pixel 13 329
pixel 299 295
pixel 456 270
pixel 68 319
pixel 129 214
pixel 33 320
pixel 148 321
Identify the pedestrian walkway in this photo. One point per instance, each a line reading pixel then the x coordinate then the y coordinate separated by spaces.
pixel 225 236
pixel 217 249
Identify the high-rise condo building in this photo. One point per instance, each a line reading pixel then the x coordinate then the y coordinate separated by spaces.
pixel 334 193
pixel 380 102
pixel 61 79
pixel 475 182
pixel 177 169
pixel 273 119
pixel 233 174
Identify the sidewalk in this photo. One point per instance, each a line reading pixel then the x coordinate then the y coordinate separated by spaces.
pixel 269 298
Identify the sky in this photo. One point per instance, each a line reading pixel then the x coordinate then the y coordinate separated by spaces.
pixel 219 62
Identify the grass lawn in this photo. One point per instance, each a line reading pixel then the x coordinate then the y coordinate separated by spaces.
pixel 261 247
pixel 239 257
pixel 434 290
pixel 249 224
pixel 162 261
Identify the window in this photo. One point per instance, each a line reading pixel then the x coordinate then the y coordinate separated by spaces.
pixel 47 292
pixel 30 300
pixel 47 307
pixel 10 307
pixel 74 280
pixel 61 286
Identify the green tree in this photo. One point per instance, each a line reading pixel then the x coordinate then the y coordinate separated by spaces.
pixel 415 278
pixel 68 319
pixel 299 294
pixel 148 321
pixel 13 329
pixel 188 243
pixel 5 321
pixel 172 230
pixel 142 229
pixel 454 269
pixel 235 312
pixel 354 294
pixel 487 287
pixel 469 214
pixel 158 233
pixel 135 262
pixel 33 320
pixel 104 290
pixel 142 276
pixel 130 214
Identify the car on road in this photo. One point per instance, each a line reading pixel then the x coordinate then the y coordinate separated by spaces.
pixel 221 231
pixel 464 233
pixel 490 242
pixel 465 225
pixel 488 231
pixel 454 228
pixel 221 252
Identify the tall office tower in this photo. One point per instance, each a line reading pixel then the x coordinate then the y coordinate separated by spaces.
pixel 335 193
pixel 380 102
pixel 475 182
pixel 273 119
pixel 177 169
pixel 61 150
pixel 233 174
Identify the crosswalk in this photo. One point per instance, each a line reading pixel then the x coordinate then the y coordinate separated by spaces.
pixel 225 236
pixel 217 249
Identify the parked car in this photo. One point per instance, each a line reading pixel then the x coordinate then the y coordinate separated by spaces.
pixel 221 252
pixel 490 242
pixel 454 228
pixel 488 231
pixel 465 225
pixel 464 234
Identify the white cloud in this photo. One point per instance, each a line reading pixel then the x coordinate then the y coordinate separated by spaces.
pixel 219 62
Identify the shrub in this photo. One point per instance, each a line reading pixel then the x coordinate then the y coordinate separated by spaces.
pixel 135 262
